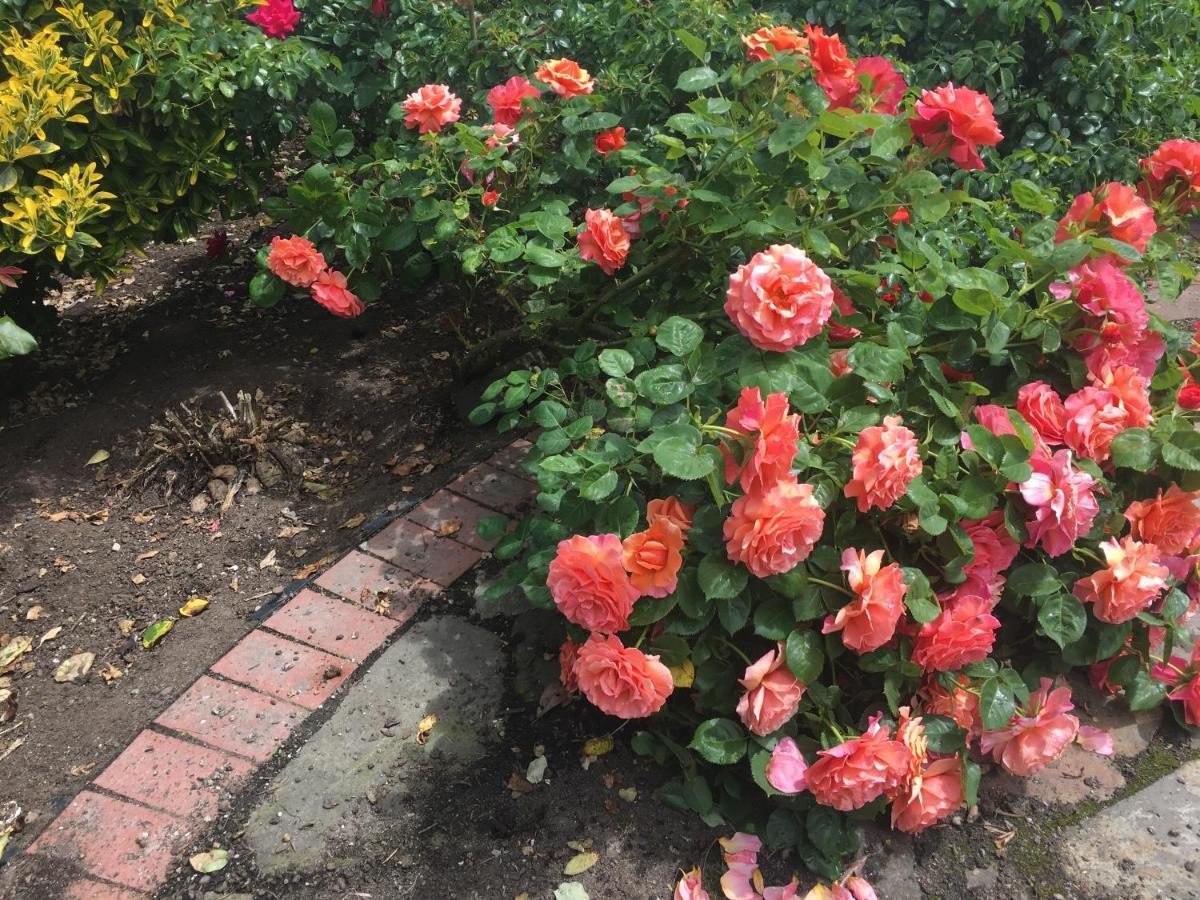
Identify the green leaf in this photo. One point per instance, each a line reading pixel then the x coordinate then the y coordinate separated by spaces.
pixel 971 773
pixel 720 579
pixel 734 612
pixel 15 340
pixel 616 363
pixel 790 133
pixel 1144 692
pixel 882 365
pixel 265 289
pixel 696 80
pixel 1062 617
pixel 1183 451
pixel 680 458
pixel 1133 449
pixel 996 704
pixel 544 257
pixel 805 656
pixel 694 45
pixel 678 336
pixel 720 741
pixel 1034 580
pixel 1031 197
pixel 943 734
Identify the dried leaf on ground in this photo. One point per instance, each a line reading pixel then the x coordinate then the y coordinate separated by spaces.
pixel 64 565
pixel 142 518
pixel 126 626
pixel 33 613
pixel 8 705
pixel 382 601
pixel 98 457
pixel 193 607
pixel 110 673
pixel 517 784
pixel 598 746
pixel 536 772
pixel 354 521
pixel 554 695
pixel 11 747
pixel 139 578
pixel 75 668
pixel 51 634
pixel 425 728
pixel 77 771
pixel 268 560
pixel 449 527
pixel 149 554
pixel 156 632
pixel 212 861
pixel 581 862
pixel 570 890
pixel 312 568
pixel 14 650
pixel 290 531
pixel 628 794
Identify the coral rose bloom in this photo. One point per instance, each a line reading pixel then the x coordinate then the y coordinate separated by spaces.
pixel 1174 167
pixel 772 434
pixel 1131 582
pixel 1187 689
pixel 773 532
pixel 963 633
pixel 604 240
pixel 832 67
pixel 886 459
pixel 331 292
pixel 957 121
pixel 589 585
pixel 505 100
pixel 652 559
pixel 772 693
pixel 1042 409
pixel 1093 419
pixel 1170 521
pixel 672 510
pixel 276 18
pixel 1037 737
pixel 779 299
pixel 431 108
pixel 869 621
pixel 959 704
pixel 1063 502
pixel 621 681
pixel 884 87
pixel 1114 211
pixel 565 78
pixel 766 42
pixel 610 141
pixel 295 260
pixel 993 546
pixel 935 793
pixel 852 774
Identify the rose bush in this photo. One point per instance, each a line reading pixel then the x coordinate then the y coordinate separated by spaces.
pixel 843 467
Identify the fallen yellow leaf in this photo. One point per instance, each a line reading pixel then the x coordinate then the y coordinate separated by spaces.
pixel 425 728
pixel 98 457
pixel 354 521
pixel 598 746
pixel 51 634
pixel 581 862
pixel 684 674
pixel 193 607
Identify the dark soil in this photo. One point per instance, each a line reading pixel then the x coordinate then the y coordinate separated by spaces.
pixel 360 398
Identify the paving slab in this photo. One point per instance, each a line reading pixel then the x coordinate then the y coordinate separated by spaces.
pixel 334 626
pixel 500 490
pixel 1145 846
pixel 444 509
pixel 369 749
pixel 416 549
pixel 284 669
pixel 360 578
pixel 87 889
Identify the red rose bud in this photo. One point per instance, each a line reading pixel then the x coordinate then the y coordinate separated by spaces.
pixel 956 375
pixel 610 141
pixel 900 215
pixel 1189 396
pixel 490 198
pixel 926 297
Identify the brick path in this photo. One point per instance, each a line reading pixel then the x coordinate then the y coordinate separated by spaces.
pixel 127 828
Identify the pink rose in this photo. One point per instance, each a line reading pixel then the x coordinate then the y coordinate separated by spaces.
pixel 1119 332
pixel 589 584
pixel 1036 737
pixel 957 121
pixel 886 459
pixel 1129 584
pixel 276 18
pixel 1173 174
pixel 852 774
pixel 994 547
pixel 506 100
pixel 779 299
pixel 958 703
pixel 331 292
pixel 1114 211
pixel 934 794
pixel 963 633
pixel 604 240
pixel 1170 521
pixel 740 854
pixel 621 681
pixel 769 436
pixel 839 363
pixel 1093 419
pixel 431 108
pixel 1187 690
pixel 787 771
pixel 772 693
pixel 854 888
pixel 1043 409
pixel 773 532
pixel 1063 503
pixel 295 260
pixel 884 86
pixel 869 621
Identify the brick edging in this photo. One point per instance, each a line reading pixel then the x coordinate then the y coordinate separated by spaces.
pixel 126 828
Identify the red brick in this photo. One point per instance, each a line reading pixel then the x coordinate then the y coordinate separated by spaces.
pixel 445 507
pixel 510 458
pixel 115 840
pixel 357 573
pixel 333 625
pixel 441 560
pixel 495 488
pixel 232 718
pixel 94 890
pixel 173 775
pixel 284 669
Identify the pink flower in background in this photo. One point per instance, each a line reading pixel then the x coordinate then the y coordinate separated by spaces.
pixel 1043 410
pixel 604 240
pixel 1187 690
pixel 886 459
pixel 621 681
pixel 589 584
pixel 772 693
pixel 852 774
pixel 779 299
pixel 772 532
pixel 958 703
pixel 1121 329
pixel 490 199
pixel 380 8
pixel 787 771
pixel 770 432
pixel 331 291
pixel 276 18
pixel 869 621
pixel 431 108
pixel 882 88
pixel 1037 736
pixel 763 44
pixel 1063 503
pixel 506 99
pixel 1131 391
pixel 565 78
pixel 994 547
pixel 1130 583
pixel 295 260
pixel 1171 521
pixel 1113 211
pixel 839 363
pixel 1094 418
pixel 956 121
pixel 963 633
pixel 1174 167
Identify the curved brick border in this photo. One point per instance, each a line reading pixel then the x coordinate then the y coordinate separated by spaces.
pixel 126 829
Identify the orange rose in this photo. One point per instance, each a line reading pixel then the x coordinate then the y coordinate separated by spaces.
pixel 589 584
pixel 832 68
pixel 869 621
pixel 886 458
pixel 566 664
pixel 331 292
pixel 1171 521
pixel 852 774
pixel 1043 409
pixel 963 633
pixel 610 141
pixel 766 42
pixel 431 108
pixel 957 121
pixel 935 793
pixel 773 532
pixel 564 77
pixel 652 559
pixel 604 240
pixel 1114 211
pixel 1130 583
pixel 622 681
pixel 295 260
pixel 772 693
pixel 670 508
